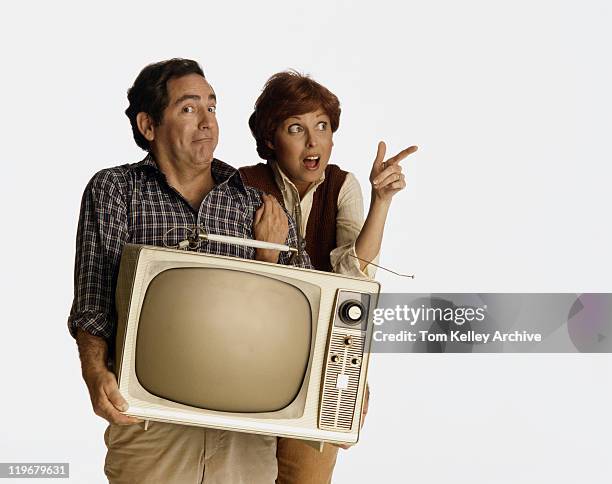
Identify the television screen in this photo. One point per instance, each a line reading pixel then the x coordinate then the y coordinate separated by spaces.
pixel 224 340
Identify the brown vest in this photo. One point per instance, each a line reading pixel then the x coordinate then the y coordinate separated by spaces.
pixel 321 226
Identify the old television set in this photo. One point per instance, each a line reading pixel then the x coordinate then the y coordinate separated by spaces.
pixel 242 345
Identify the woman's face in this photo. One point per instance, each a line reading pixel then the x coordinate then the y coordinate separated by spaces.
pixel 303 145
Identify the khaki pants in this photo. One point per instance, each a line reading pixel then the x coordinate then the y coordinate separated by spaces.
pixel 299 463
pixel 177 454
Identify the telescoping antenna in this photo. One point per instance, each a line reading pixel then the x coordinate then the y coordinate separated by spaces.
pixel 197 235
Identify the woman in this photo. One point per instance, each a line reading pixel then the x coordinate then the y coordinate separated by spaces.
pixel 293 124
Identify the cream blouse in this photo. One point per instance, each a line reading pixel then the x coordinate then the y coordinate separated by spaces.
pixel 349 219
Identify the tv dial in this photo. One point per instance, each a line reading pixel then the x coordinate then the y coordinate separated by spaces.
pixel 335 358
pixel 348 341
pixel 351 312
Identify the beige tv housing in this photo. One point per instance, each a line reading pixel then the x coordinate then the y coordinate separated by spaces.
pixel 242 345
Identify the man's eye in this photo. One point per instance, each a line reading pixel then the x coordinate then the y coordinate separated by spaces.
pixel 212 109
pixel 188 109
pixel 322 126
pixel 295 128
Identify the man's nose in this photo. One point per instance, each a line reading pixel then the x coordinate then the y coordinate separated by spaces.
pixel 206 119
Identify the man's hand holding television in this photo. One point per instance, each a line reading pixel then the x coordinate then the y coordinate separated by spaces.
pixel 270 225
pixel 104 393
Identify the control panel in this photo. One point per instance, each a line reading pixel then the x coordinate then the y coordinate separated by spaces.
pixel 344 357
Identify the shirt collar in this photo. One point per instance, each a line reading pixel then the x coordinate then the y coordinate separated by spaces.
pixel 221 171
pixel 285 183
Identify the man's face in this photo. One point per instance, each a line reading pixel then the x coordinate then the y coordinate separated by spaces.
pixel 188 132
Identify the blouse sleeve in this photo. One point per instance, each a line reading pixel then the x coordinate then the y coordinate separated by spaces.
pixel 349 221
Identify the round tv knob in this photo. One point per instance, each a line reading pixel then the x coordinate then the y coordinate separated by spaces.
pixel 351 312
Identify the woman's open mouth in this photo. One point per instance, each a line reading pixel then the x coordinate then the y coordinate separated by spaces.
pixel 311 162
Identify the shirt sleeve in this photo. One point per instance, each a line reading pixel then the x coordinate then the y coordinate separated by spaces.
pixel 349 222
pixel 102 231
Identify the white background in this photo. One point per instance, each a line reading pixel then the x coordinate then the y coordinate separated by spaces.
pixel 510 104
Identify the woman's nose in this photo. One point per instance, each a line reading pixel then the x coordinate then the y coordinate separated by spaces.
pixel 311 140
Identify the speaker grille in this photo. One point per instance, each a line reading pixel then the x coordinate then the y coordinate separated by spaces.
pixel 337 404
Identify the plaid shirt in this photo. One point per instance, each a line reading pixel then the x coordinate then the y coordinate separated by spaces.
pixel 134 204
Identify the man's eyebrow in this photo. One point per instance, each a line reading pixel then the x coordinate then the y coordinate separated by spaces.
pixel 184 97
pixel 195 97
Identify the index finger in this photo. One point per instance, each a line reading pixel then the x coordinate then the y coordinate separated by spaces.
pixel 265 204
pixel 270 203
pixel 401 155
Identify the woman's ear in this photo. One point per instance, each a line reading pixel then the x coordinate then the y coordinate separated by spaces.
pixel 145 126
pixel 270 145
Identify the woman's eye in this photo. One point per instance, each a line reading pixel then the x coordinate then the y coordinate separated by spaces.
pixel 188 109
pixel 295 128
pixel 212 109
pixel 322 126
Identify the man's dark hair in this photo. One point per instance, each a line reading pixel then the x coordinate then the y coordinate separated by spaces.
pixel 149 94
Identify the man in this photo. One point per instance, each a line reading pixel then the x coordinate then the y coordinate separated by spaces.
pixel 158 201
